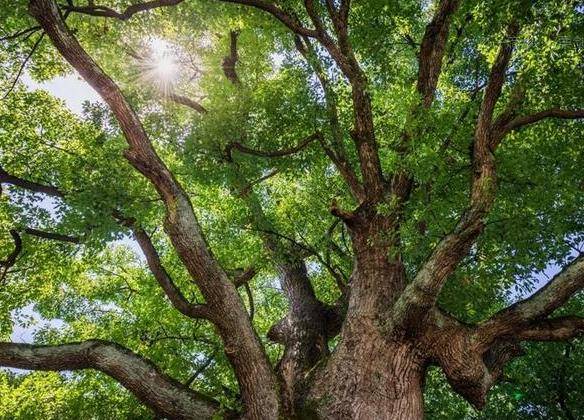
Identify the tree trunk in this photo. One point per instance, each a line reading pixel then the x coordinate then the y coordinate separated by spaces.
pixel 370 378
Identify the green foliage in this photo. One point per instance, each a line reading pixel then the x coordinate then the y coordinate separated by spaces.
pixel 102 289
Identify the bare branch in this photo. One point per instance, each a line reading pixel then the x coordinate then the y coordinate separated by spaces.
pixel 104 11
pixel 167 397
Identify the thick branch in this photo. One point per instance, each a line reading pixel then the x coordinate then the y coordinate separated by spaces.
pixel 555 329
pixel 165 396
pixel 432 50
pixel 256 379
pixel 230 60
pixel 421 294
pixel 130 11
pixel 541 304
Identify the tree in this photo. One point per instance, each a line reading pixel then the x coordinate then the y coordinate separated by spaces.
pixel 398 168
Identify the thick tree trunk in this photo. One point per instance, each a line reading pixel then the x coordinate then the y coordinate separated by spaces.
pixel 375 372
pixel 370 378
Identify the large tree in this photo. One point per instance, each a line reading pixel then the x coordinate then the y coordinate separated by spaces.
pixel 396 171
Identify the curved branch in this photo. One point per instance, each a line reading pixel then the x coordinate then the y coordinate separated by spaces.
pixel 287 19
pixel 104 11
pixel 270 154
pixel 11 258
pixel 165 396
pixel 173 293
pixel 559 113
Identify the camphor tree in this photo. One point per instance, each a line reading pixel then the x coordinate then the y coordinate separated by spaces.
pixel 352 193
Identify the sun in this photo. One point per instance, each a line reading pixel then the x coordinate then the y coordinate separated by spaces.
pixel 160 66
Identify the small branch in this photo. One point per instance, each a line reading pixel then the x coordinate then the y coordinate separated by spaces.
pixel 11 259
pixel 183 100
pixel 23 65
pixel 270 154
pixel 6 178
pixel 18 34
pixel 52 236
pixel 178 300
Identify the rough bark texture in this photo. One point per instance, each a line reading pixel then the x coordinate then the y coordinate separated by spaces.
pixel 392 328
pixel 165 396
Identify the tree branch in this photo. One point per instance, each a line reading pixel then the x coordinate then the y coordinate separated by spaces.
pixel 555 329
pixel 104 11
pixel 165 396
pixel 336 153
pixel 541 304
pixel 270 154
pixel 524 120
pixel 183 100
pixel 432 50
pixel 421 294
pixel 255 376
pixel 230 60
pixel 173 293
pixel 288 20
pixel 6 178
pixel 52 235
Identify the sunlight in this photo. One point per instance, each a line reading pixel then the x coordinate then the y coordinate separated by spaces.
pixel 161 67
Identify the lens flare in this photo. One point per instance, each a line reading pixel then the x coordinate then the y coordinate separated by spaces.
pixel 160 66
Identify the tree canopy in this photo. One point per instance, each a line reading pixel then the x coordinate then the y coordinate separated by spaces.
pixel 238 141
